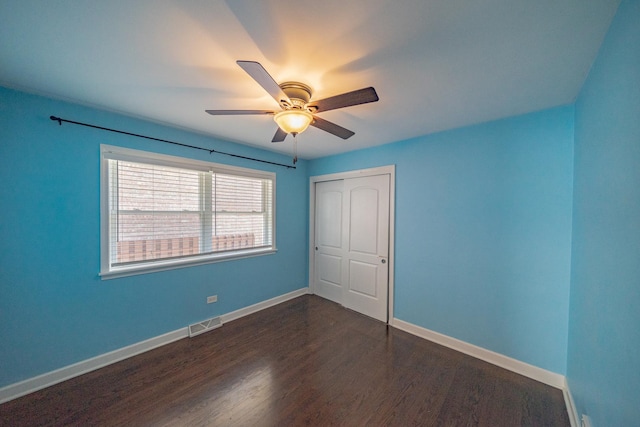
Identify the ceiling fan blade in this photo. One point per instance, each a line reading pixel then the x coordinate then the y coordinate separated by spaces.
pixel 332 128
pixel 356 97
pixel 279 136
pixel 264 79
pixel 237 112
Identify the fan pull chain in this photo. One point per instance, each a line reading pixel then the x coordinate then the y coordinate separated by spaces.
pixel 295 148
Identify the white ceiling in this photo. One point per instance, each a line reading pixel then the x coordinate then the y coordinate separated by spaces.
pixel 436 64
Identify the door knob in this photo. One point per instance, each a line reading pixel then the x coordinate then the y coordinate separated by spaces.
pixel 384 261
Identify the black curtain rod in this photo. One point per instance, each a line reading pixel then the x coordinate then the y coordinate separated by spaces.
pixel 211 151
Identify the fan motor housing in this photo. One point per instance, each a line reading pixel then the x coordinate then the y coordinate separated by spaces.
pixel 298 93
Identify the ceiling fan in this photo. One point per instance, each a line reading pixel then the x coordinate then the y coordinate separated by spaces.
pixel 298 111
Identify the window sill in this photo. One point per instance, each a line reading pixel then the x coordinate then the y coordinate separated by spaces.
pixel 116 273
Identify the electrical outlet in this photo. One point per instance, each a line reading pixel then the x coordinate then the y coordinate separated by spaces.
pixel 212 298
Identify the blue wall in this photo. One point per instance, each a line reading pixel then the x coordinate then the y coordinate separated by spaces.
pixel 604 340
pixel 54 309
pixel 483 232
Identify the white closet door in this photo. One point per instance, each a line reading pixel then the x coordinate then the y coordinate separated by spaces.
pixel 328 242
pixel 352 243
pixel 366 243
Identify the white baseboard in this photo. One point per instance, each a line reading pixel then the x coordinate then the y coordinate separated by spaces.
pixel 522 368
pixel 574 419
pixel 13 391
pixel 30 385
pixel 262 305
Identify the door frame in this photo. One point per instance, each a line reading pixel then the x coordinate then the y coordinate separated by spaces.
pixel 382 170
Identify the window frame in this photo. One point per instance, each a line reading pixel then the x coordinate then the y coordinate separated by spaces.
pixel 109 152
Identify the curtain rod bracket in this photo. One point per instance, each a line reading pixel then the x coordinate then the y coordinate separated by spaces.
pixel 56 119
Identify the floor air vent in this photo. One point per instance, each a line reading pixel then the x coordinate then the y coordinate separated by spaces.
pixel 204 326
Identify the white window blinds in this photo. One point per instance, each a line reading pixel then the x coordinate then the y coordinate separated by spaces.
pixel 164 212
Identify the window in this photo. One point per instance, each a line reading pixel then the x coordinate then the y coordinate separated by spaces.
pixel 161 212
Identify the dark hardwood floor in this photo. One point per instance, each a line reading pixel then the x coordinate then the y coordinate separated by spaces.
pixel 304 362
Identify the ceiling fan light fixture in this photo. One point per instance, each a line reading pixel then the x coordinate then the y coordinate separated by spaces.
pixel 293 121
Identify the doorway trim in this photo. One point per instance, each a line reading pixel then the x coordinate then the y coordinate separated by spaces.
pixel 382 170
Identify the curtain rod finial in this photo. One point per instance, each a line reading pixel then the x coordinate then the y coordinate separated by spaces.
pixel 57 119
